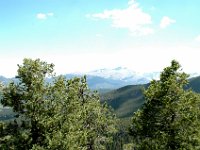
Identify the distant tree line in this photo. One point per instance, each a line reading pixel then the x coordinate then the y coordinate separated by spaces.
pixel 66 115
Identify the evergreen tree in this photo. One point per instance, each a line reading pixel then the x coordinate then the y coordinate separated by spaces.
pixel 61 115
pixel 170 117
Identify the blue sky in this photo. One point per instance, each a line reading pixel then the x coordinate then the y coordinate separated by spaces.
pixel 82 35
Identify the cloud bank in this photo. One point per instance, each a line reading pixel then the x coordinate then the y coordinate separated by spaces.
pixel 132 18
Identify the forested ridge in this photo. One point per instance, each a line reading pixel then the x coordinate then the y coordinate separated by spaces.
pixel 128 99
pixel 67 115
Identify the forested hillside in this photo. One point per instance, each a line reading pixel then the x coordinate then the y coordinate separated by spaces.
pixel 127 100
pixel 65 114
pixel 194 84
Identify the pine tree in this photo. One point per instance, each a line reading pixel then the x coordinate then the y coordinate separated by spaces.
pixel 62 115
pixel 170 117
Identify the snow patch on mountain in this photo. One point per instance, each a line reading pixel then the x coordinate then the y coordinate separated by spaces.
pixel 117 73
pixel 125 74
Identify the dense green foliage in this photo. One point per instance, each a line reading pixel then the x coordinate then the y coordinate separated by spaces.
pixel 125 100
pixel 63 115
pixel 66 115
pixel 170 117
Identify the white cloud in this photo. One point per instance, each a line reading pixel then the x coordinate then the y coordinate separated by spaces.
pixel 166 21
pixel 197 38
pixel 132 18
pixel 43 16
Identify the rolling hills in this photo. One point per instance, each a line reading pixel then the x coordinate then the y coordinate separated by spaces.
pixel 126 100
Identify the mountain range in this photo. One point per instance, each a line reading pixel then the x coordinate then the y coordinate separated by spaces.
pixel 109 79
pixel 115 78
pixel 123 92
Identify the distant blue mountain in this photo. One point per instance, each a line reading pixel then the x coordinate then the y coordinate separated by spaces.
pixel 96 82
pixel 108 78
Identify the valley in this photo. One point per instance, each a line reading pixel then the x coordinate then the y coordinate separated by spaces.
pixel 124 97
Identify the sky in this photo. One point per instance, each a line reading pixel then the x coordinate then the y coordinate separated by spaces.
pixel 85 35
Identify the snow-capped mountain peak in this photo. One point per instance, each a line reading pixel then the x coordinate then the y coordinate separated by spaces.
pixel 118 73
pixel 125 74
